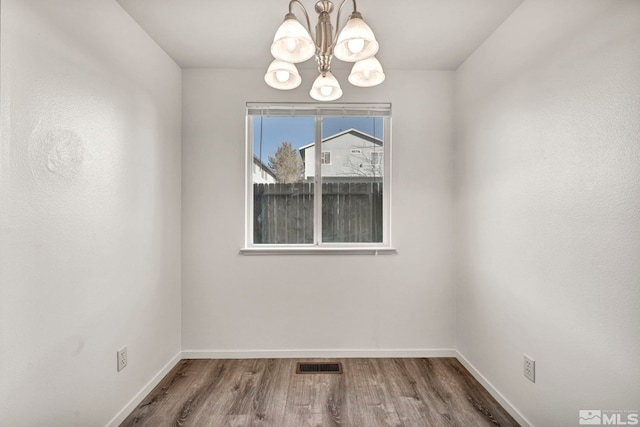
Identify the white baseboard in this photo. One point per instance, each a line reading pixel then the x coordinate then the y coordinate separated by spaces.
pixel 135 401
pixel 310 354
pixel 494 392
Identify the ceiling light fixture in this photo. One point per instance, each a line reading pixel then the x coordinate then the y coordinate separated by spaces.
pixel 293 44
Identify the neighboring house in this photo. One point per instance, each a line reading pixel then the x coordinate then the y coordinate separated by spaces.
pixel 262 174
pixel 350 155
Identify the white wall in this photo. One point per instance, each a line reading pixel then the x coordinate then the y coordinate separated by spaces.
pixel 89 212
pixel 547 200
pixel 548 177
pixel 242 303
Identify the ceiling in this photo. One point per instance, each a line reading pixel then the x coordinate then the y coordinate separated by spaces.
pixel 413 34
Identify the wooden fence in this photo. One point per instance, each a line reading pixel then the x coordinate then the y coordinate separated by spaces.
pixel 351 212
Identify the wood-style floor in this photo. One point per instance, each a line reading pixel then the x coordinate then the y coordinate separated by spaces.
pixel 370 393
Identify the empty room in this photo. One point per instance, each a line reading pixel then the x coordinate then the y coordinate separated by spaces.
pixel 319 213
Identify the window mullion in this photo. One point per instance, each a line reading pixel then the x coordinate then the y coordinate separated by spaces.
pixel 249 183
pixel 386 194
pixel 317 197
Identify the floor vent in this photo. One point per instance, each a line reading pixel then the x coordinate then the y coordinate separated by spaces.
pixel 318 368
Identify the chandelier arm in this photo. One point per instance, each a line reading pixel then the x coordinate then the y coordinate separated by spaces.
pixel 335 36
pixel 306 15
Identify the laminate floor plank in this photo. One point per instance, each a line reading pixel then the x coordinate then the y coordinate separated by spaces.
pixel 299 395
pixel 409 404
pixel 373 402
pixel 246 387
pixel 169 395
pixel 444 390
pixel 226 394
pixel 472 390
pixel 205 396
pixel 365 385
pixel 269 400
pixel 434 392
pixel 335 406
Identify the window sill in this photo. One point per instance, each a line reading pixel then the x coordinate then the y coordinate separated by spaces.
pixel 318 251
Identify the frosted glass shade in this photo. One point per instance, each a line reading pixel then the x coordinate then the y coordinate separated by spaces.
pixel 326 88
pixel 292 42
pixel 366 73
pixel 282 75
pixel 356 41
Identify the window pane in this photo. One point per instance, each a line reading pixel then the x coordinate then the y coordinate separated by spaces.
pixel 282 196
pixel 353 181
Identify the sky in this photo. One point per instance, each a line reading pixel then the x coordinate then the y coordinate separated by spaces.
pixel 299 131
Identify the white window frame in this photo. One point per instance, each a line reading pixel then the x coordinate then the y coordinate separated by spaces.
pixel 323 158
pixel 318 111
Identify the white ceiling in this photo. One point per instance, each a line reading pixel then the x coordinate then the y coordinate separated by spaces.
pixel 413 34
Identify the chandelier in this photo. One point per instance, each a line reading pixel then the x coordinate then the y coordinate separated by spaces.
pixel 293 44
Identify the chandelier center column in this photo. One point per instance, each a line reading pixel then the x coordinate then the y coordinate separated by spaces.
pixel 324 36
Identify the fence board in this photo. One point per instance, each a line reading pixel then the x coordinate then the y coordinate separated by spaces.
pixel 351 212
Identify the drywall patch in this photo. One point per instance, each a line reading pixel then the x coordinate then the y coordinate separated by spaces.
pixel 56 154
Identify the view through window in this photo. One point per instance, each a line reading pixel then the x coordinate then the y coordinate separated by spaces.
pixel 295 149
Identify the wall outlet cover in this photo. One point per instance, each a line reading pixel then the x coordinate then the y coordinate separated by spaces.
pixel 530 368
pixel 122 358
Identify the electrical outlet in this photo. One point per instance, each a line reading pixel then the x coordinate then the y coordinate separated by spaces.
pixel 122 358
pixel 530 368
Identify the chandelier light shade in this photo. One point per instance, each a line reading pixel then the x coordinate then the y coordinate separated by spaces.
pixel 366 73
pixel 326 88
pixel 282 75
pixel 293 43
pixel 356 41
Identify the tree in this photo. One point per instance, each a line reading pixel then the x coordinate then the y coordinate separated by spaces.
pixel 286 164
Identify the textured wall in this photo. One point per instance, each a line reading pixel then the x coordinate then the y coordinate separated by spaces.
pixel 548 201
pixel 235 302
pixel 89 211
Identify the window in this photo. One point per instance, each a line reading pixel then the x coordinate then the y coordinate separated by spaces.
pixel 376 158
pixel 327 185
pixel 325 158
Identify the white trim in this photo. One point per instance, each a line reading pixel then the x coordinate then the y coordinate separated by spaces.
pixel 387 193
pixel 317 179
pixel 333 109
pixel 248 188
pixel 310 354
pixel 316 250
pixel 494 391
pixel 137 399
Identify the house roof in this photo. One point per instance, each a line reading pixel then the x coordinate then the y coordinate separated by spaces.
pixel 352 131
